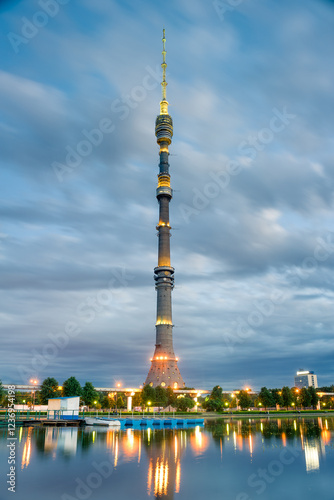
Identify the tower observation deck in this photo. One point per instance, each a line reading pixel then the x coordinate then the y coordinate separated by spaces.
pixel 164 370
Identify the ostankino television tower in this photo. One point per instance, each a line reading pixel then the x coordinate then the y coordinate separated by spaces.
pixel 164 370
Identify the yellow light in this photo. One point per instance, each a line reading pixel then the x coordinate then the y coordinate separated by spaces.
pixel 60 388
pixel 165 357
pixel 95 402
pixel 149 403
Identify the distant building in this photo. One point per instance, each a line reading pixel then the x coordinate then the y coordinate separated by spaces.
pixel 305 378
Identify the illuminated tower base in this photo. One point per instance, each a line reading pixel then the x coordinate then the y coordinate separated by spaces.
pixel 164 370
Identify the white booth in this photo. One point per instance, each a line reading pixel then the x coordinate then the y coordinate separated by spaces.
pixel 64 408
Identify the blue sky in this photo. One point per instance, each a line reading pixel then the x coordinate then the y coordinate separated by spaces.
pixel 250 92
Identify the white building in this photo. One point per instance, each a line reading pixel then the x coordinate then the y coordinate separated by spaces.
pixel 305 378
pixel 64 408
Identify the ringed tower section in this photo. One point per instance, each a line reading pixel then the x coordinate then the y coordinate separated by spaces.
pixel 164 370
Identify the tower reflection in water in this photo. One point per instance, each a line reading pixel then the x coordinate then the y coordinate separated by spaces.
pixel 161 451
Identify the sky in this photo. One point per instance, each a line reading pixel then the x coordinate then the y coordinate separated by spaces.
pixel 250 87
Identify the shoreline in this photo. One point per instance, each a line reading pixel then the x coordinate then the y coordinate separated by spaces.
pixel 268 415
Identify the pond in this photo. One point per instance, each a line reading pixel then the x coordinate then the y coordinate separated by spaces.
pixel 230 459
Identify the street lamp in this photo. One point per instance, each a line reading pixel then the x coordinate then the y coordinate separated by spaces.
pixel 149 404
pixel 35 382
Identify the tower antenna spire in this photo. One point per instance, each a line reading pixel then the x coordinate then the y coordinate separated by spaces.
pixel 164 369
pixel 164 103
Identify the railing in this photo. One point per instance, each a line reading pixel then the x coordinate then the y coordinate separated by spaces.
pixel 22 415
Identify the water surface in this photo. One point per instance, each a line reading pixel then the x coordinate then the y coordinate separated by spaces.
pixel 246 459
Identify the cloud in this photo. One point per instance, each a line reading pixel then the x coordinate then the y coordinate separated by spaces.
pixel 255 237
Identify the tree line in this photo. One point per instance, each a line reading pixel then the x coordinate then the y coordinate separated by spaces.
pixel 288 398
pixel 50 388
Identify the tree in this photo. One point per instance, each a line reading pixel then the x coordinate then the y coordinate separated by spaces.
pixel 216 393
pixel 136 399
pixel 305 397
pixel 160 396
pixel 171 398
pixel 212 405
pixel 89 394
pixel 49 390
pixel 277 396
pixel 287 397
pixel 71 387
pixel 314 397
pixel 183 404
pixel 244 399
pixel 148 394
pixel 266 398
pixel 120 401
pixel 214 402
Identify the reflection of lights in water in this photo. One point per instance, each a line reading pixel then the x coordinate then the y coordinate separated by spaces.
pixel 150 477
pixel 284 439
pixel 139 450
pixel 130 437
pixel 227 429
pixel 161 477
pixel 311 456
pixel 178 477
pixel 148 434
pixel 26 450
pixel 20 434
pixel 93 436
pixel 261 426
pixel 221 449
pixel 240 442
pixel 235 440
pixel 295 425
pixel 199 441
pixel 110 442
pixel 325 436
pixel 130 444
pixel 116 451
pixel 175 448
pixel 250 444
pixel 326 423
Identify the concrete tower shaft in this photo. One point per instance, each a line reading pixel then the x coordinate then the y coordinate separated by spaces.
pixel 164 370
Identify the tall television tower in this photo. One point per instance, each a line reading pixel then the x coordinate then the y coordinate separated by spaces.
pixel 164 370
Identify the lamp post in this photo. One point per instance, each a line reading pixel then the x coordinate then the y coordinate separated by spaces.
pixel 35 382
